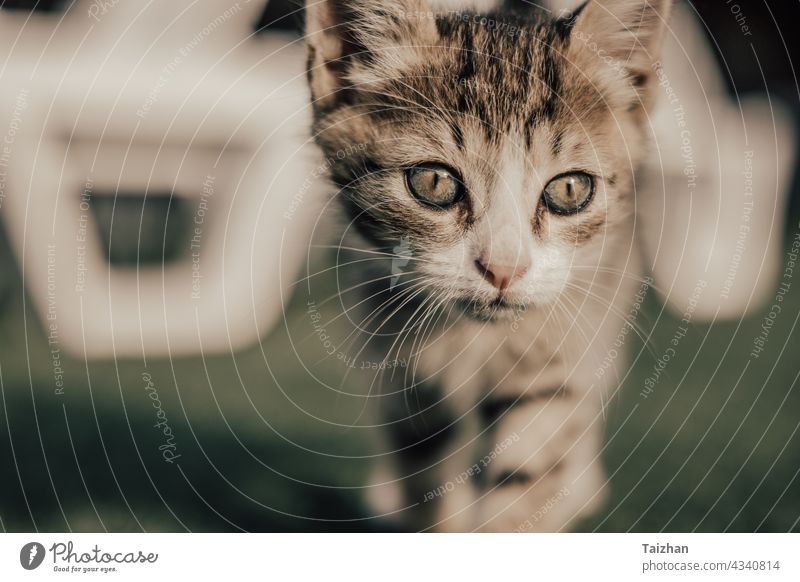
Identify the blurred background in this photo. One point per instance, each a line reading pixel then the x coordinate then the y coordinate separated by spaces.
pixel 164 132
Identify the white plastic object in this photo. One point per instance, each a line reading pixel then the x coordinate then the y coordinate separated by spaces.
pixel 714 190
pixel 119 96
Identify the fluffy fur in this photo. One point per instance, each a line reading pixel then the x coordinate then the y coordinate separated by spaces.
pixel 508 100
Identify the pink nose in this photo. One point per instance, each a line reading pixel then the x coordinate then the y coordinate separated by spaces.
pixel 500 275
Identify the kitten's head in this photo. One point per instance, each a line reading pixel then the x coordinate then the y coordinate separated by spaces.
pixel 499 149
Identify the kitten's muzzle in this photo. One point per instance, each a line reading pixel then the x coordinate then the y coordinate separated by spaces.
pixel 502 275
pixel 497 310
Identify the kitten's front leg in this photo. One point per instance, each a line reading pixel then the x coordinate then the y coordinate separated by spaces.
pixel 424 438
pixel 550 474
pixel 540 470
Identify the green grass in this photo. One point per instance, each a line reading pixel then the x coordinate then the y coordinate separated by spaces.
pixel 266 445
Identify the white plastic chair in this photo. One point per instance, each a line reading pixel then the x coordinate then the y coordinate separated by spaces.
pixel 176 96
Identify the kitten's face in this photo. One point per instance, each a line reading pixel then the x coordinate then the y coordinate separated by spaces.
pixel 499 151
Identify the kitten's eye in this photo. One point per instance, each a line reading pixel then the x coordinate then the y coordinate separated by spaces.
pixel 569 193
pixel 434 185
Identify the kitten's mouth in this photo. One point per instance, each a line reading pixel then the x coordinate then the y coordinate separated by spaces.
pixel 498 309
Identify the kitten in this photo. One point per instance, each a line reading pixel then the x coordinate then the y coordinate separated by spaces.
pixel 495 161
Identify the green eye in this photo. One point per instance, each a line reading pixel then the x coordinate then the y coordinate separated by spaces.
pixel 434 185
pixel 569 193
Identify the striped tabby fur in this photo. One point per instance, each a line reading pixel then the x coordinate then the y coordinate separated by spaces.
pixel 496 423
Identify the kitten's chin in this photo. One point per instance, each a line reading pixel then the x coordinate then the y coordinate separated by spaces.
pixel 489 311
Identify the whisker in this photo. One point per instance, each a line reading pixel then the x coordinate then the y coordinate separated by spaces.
pixel 420 281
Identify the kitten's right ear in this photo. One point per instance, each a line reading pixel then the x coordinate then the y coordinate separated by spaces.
pixel 330 42
pixel 620 36
pixel 344 35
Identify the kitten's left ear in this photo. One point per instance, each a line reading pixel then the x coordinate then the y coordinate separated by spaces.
pixel 352 42
pixel 620 38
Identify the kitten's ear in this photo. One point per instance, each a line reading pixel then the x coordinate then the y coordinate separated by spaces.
pixel 621 38
pixel 343 35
